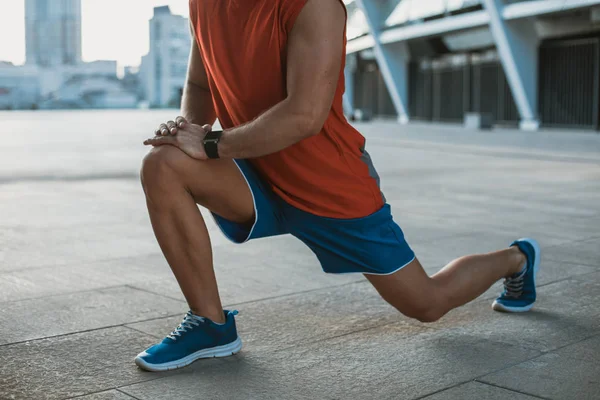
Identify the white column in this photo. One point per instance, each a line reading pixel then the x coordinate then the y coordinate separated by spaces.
pixel 517 43
pixel 392 59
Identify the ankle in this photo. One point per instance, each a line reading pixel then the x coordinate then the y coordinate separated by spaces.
pixel 518 260
pixel 216 316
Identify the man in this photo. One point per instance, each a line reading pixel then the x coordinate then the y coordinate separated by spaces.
pixel 287 162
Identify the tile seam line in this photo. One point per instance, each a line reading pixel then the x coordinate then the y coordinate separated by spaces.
pixel 542 353
pixel 118 389
pixel 300 344
pixel 512 390
pixel 125 325
pixel 41 267
pixel 72 334
pixel 464 383
pixel 286 295
pixel 61 294
pixel 424 329
pixel 97 392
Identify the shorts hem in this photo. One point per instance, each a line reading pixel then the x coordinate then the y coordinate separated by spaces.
pixel 223 230
pixel 373 273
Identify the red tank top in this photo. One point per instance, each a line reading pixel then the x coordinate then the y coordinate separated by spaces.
pixel 243 44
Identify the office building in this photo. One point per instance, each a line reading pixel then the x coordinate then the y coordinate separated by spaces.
pixel 19 86
pixel 53 32
pixel 54 75
pixel 164 68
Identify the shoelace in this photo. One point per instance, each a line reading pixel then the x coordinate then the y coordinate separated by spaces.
pixel 513 286
pixel 188 323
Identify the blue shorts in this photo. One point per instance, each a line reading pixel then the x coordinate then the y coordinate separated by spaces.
pixel 371 245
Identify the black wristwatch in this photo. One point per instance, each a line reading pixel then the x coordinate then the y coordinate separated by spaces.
pixel 211 143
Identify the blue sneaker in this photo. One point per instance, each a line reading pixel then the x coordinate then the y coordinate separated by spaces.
pixel 194 338
pixel 519 290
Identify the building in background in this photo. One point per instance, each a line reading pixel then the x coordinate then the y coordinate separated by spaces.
pixel 527 63
pixel 87 85
pixel 163 70
pixel 19 87
pixel 53 32
pixel 91 91
pixel 53 78
pixel 131 81
pixel 54 75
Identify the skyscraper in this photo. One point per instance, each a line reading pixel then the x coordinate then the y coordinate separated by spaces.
pixel 164 67
pixel 53 32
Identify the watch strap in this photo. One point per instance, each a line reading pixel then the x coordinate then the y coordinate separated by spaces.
pixel 211 144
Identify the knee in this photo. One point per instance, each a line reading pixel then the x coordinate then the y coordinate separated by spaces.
pixel 426 314
pixel 160 168
pixel 425 309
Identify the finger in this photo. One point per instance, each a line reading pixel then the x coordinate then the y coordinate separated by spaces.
pixel 180 121
pixel 156 141
pixel 163 130
pixel 172 127
pixel 159 141
pixel 207 128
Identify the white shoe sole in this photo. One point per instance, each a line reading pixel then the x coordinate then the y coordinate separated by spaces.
pixel 219 351
pixel 536 267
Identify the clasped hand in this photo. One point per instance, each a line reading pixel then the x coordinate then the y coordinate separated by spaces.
pixel 185 136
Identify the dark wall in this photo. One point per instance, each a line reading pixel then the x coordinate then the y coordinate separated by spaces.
pixel 568 90
pixel 569 83
pixel 370 91
pixel 444 90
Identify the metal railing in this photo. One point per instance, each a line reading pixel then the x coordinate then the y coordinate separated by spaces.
pixel 569 83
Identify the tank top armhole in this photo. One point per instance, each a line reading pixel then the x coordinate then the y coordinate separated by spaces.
pixel 290 9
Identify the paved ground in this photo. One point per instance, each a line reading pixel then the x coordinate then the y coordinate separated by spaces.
pixel 83 287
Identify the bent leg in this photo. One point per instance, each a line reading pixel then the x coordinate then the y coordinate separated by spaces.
pixel 419 296
pixel 173 183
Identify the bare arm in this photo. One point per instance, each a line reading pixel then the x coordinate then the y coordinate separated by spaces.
pixel 197 104
pixel 315 50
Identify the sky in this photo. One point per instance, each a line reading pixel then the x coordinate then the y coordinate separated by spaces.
pixel 111 29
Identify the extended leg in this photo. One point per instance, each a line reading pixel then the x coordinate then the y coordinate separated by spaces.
pixel 427 299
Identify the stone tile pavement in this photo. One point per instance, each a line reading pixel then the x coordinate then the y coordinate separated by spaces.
pixel 83 287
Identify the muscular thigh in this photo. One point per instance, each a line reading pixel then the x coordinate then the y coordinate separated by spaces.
pixel 409 290
pixel 217 185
